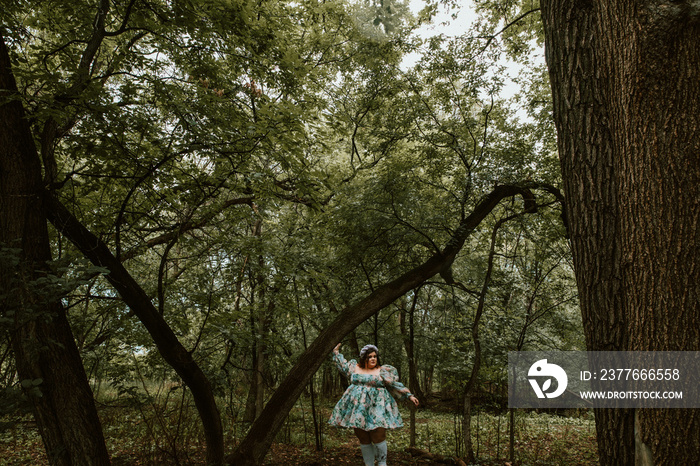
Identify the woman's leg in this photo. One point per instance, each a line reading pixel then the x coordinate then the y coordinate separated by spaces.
pixel 378 437
pixel 365 446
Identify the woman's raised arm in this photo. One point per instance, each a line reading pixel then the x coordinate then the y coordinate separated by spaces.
pixel 347 368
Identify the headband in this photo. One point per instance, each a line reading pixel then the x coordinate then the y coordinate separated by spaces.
pixel 368 349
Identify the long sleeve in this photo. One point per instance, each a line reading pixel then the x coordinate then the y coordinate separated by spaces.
pixel 390 376
pixel 345 367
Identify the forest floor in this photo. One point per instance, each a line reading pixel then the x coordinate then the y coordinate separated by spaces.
pixel 32 454
pixel 541 439
pixel 287 455
pixel 170 434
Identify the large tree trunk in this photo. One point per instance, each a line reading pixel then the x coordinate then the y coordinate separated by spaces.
pixel 254 447
pixel 625 79
pixel 42 340
pixel 654 97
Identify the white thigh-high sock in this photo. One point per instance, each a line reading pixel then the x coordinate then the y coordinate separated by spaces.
pixel 380 453
pixel 367 453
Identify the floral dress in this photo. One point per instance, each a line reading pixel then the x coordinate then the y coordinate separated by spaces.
pixel 367 403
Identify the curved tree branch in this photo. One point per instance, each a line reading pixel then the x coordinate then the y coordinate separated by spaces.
pixel 252 450
pixel 140 303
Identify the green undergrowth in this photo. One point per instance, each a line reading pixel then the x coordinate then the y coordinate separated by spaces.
pixel 162 427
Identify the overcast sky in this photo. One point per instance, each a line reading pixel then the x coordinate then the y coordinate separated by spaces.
pixel 443 23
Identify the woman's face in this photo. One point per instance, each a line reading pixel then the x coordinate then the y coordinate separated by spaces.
pixel 372 360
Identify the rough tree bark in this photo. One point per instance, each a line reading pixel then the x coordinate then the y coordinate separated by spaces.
pixel 42 340
pixel 624 78
pixel 254 447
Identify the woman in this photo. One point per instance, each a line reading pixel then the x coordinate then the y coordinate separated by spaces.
pixel 367 405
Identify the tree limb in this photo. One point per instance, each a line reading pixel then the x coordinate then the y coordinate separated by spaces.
pixel 253 448
pixel 140 303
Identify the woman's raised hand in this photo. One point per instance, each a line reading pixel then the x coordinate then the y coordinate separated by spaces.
pixel 336 349
pixel 414 400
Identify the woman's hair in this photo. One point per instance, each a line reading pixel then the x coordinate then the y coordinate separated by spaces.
pixel 365 352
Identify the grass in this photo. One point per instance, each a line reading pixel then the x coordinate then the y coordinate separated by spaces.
pixel 156 431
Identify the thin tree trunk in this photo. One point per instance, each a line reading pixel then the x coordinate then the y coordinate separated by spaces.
pixel 412 427
pixel 259 325
pixel 408 339
pixel 407 331
pixel 260 361
pixel 317 431
pixel 428 379
pixel 43 345
pixel 250 414
pixel 354 344
pixel 250 405
pixel 467 428
pixel 511 435
pixel 471 383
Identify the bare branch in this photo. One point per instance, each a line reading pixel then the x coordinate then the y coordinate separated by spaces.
pixel 507 26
